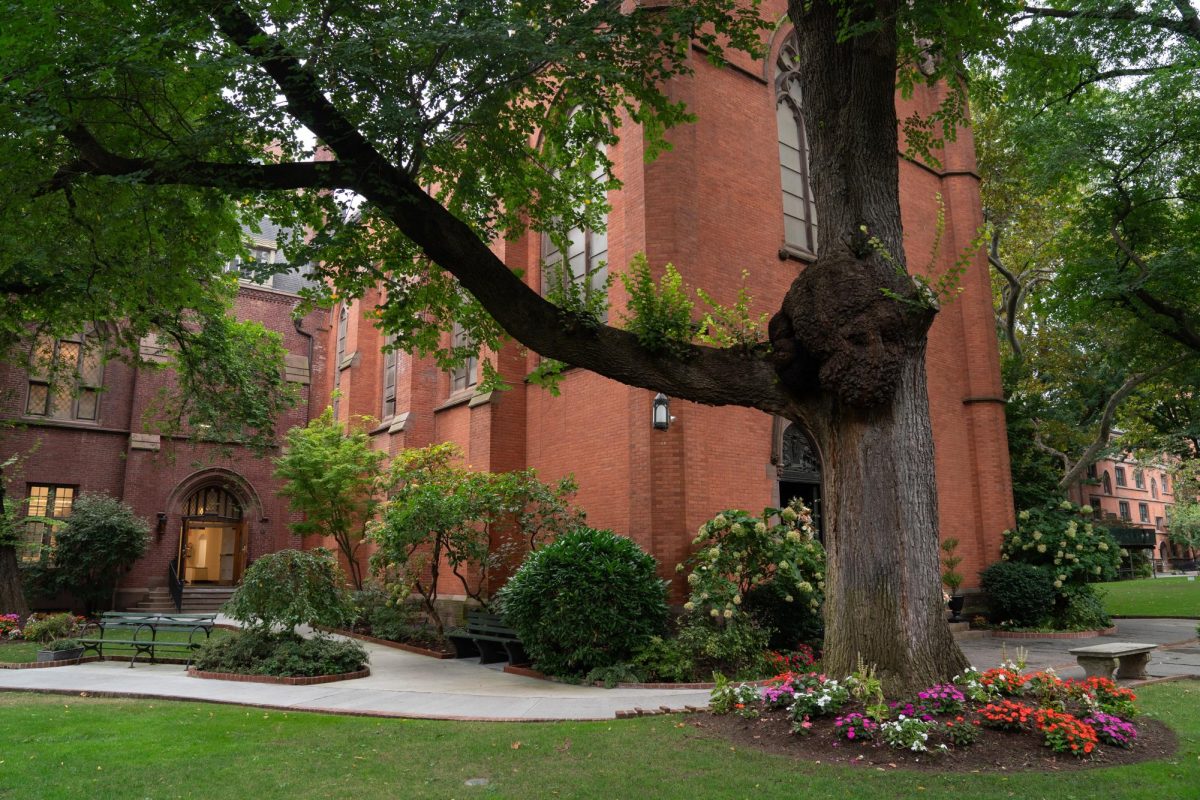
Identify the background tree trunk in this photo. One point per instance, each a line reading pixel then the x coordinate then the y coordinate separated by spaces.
pixel 12 594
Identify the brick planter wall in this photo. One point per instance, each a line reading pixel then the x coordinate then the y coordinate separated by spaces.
pixel 302 681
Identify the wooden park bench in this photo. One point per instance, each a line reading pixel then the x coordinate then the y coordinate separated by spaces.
pixel 1099 660
pixel 125 630
pixel 488 637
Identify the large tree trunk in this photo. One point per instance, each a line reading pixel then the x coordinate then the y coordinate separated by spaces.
pixel 849 344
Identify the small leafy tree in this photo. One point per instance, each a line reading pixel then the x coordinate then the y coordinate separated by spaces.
pixel 99 541
pixel 337 480
pixel 292 587
pixel 951 577
pixel 475 523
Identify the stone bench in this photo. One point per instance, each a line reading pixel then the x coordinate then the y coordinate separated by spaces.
pixel 1099 660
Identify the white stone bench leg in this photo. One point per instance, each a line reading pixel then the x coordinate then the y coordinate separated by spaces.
pixel 1098 666
pixel 1134 667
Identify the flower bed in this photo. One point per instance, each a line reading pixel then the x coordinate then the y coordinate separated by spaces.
pixel 305 680
pixel 998 719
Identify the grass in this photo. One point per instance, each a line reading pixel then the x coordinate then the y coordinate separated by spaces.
pixel 1153 597
pixel 19 652
pixel 73 747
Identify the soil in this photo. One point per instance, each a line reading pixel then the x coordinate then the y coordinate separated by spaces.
pixel 995 751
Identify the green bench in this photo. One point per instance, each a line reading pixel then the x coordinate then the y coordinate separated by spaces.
pixel 488 637
pixel 124 630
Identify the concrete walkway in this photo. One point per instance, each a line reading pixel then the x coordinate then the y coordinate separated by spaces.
pixel 407 685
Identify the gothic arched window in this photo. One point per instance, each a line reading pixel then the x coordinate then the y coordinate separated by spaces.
pixel 799 206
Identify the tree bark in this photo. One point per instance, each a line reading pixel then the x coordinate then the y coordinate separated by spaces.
pixel 12 595
pixel 849 345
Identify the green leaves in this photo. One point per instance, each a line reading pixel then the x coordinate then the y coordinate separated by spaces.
pixel 287 588
pixel 100 539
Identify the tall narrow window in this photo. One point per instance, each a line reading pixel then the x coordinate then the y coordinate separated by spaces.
pixel 1121 476
pixel 1154 488
pixel 47 502
pixel 340 353
pixel 65 379
pixel 1166 484
pixel 1124 509
pixel 390 359
pixel 462 377
pixel 1143 512
pixel 1107 483
pixel 1139 479
pixel 799 206
pixel 584 266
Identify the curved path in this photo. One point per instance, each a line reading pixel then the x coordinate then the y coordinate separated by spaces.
pixel 407 685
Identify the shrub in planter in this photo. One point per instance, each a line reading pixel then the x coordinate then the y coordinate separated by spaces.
pixel 60 650
pixel 45 628
pixel 589 599
pixel 1021 593
pixel 258 652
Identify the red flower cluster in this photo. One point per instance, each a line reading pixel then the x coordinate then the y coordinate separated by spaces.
pixel 802 657
pixel 1100 687
pixel 1005 681
pixel 1006 715
pixel 1065 733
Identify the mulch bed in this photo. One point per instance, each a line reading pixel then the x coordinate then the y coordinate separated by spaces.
pixel 432 650
pixel 995 751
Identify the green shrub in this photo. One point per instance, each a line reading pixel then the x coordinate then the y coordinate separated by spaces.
pixel 790 624
pixel 289 588
pixel 1084 611
pixel 58 645
pixel 589 599
pixel 737 551
pixel 257 652
pixel 737 647
pixel 664 659
pixel 98 542
pixel 1020 593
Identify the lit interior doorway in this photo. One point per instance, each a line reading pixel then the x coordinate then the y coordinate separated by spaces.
pixel 212 547
pixel 800 473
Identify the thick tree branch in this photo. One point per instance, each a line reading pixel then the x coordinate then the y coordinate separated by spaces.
pixel 705 375
pixel 1181 326
pixel 1126 13
pixel 96 160
pixel 1073 473
pixel 1012 298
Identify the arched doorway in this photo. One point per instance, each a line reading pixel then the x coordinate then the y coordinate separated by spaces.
pixel 212 547
pixel 800 473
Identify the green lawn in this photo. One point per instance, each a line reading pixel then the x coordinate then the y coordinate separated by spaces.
pixel 1153 597
pixel 73 747
pixel 19 652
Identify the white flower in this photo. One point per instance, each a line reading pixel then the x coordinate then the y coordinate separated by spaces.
pixel 689 606
pixel 719 521
pixel 788 598
pixel 1086 510
pixel 760 527
pixel 1097 570
pixel 788 515
pixel 714 612
pixel 1024 515
pixel 728 613
pixel 1066 505
pixel 1041 548
pixel 1058 584
pixel 679 567
pixel 793 535
pixel 693 579
pixel 736 528
pixel 805 587
pixel 1103 546
pixel 821 585
pixel 1037 534
pixel 737 599
pixel 1062 577
pixel 813 604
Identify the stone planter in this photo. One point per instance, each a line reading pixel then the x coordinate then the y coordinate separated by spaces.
pixel 60 655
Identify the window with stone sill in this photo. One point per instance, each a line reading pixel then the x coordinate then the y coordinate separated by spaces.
pixel 1123 508
pixel 65 379
pixel 48 501
pixel 391 361
pixel 1121 476
pixel 1139 479
pixel 343 328
pixel 1143 512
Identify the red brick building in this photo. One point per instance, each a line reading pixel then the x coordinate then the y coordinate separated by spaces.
pixel 218 510
pixel 1134 499
pixel 731 195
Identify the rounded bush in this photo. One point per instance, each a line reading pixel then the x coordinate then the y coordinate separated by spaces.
pixel 1020 593
pixel 590 599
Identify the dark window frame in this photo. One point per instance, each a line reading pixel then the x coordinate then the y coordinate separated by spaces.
pixel 1123 510
pixel 68 391
pixel 1122 480
pixel 33 552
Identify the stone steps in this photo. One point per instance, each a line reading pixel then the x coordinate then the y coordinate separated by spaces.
pixel 196 600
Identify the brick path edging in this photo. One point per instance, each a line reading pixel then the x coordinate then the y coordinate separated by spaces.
pixel 1053 635
pixel 66 662
pixel 300 681
pixel 408 648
